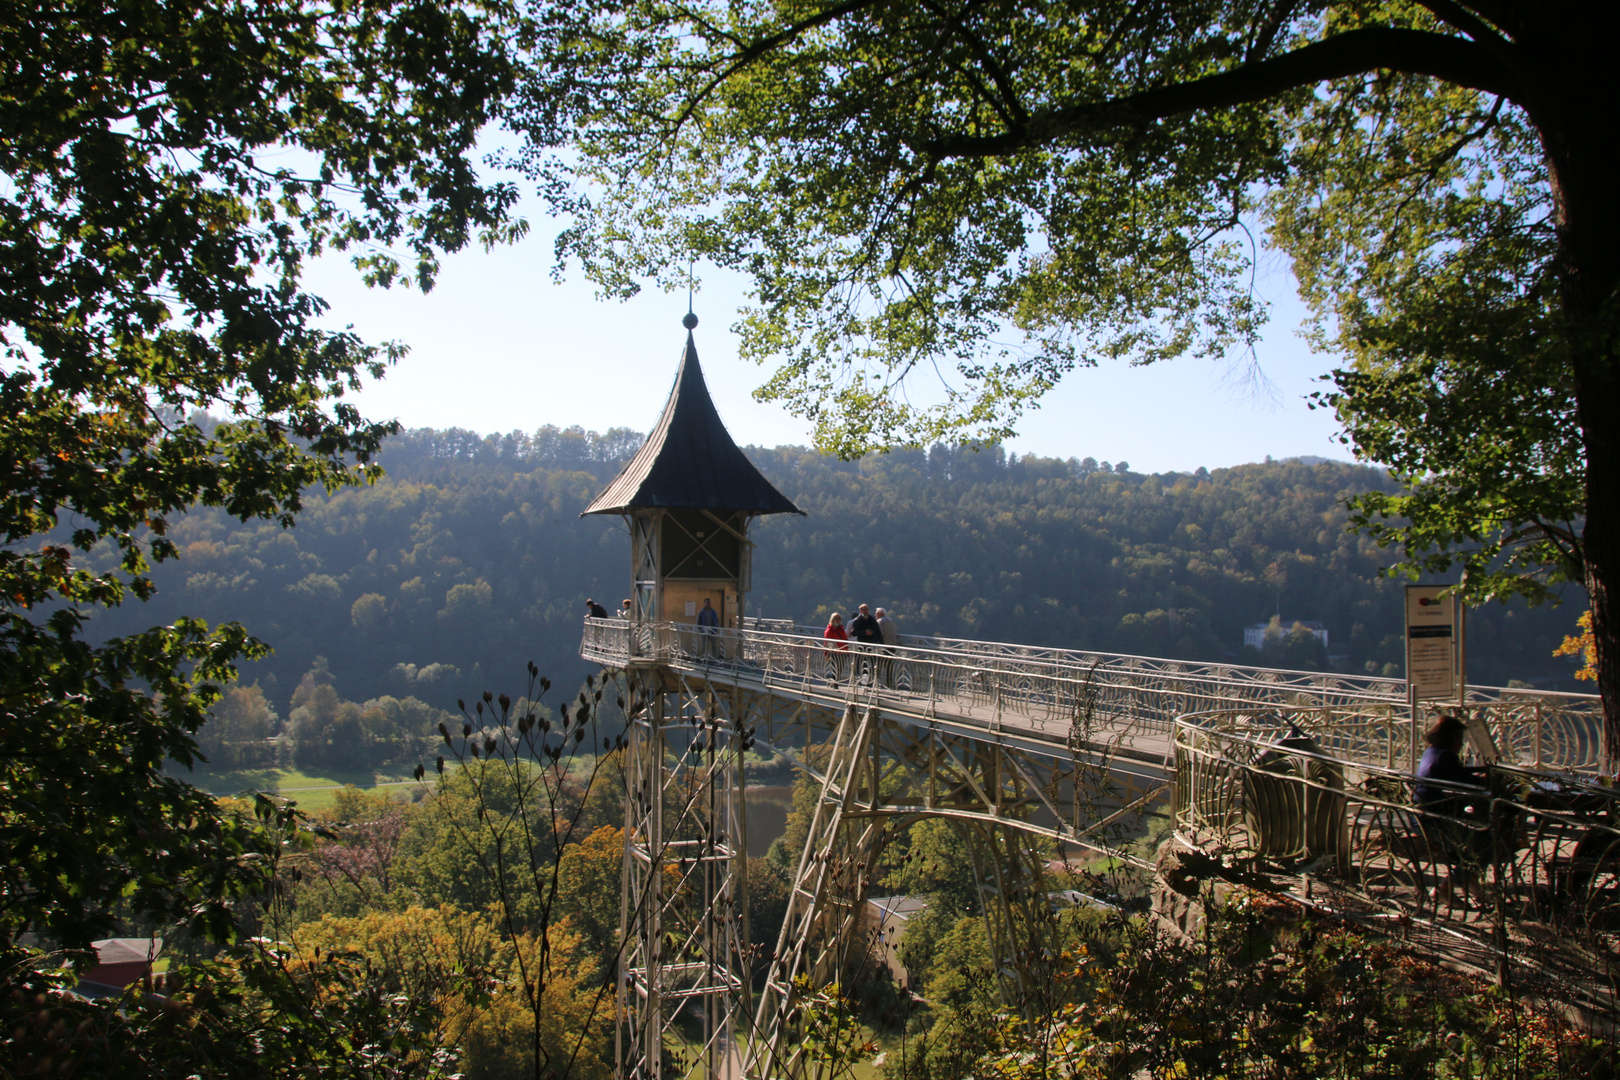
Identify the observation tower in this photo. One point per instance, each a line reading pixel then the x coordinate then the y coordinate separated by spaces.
pixel 688 496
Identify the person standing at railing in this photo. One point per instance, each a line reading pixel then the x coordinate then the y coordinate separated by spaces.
pixel 836 634
pixel 593 610
pixel 864 631
pixel 624 610
pixel 889 633
pixel 709 628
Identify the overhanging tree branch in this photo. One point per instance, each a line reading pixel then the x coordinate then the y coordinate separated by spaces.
pixel 763 46
pixel 1416 52
pixel 1008 106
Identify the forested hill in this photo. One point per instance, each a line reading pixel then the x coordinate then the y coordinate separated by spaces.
pixel 470 558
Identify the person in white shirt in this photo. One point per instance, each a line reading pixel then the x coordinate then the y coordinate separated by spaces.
pixel 891 638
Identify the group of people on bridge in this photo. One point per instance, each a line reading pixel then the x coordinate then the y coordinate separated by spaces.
pixel 593 610
pixel 871 633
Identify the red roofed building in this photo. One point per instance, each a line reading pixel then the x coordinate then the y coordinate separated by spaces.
pixel 121 962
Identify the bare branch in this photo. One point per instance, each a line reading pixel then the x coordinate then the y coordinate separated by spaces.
pixel 1454 14
pixel 1267 37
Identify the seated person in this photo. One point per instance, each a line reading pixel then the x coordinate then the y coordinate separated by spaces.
pixel 1443 761
pixel 1459 829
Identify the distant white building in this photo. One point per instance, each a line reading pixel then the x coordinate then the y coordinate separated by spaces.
pixel 1256 634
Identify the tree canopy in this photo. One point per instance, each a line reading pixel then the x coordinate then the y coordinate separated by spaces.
pixel 1001 191
pixel 169 166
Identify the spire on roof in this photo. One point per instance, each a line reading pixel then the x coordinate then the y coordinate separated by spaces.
pixel 690 460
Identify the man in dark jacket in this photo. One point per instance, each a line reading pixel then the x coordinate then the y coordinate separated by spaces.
pixel 708 621
pixel 865 630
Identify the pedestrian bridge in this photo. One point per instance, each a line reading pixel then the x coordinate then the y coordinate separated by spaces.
pixel 1296 783
pixel 1128 703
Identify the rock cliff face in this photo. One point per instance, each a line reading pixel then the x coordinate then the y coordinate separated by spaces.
pixel 1177 891
pixel 1187 883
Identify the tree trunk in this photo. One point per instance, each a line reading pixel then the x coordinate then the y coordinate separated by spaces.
pixel 1605 619
pixel 1598 401
pixel 1575 90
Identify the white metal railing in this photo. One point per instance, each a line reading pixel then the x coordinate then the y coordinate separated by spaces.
pixel 1280 685
pixel 1220 755
pixel 1528 862
pixel 1049 692
pixel 1045 703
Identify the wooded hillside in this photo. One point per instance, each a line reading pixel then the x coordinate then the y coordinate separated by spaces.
pixel 470 558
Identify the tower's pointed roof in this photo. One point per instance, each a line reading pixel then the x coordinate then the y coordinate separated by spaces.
pixel 690 460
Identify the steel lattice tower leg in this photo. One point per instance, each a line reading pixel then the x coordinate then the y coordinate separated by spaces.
pixel 684 897
pixel 878 778
pixel 822 926
pixel 1018 915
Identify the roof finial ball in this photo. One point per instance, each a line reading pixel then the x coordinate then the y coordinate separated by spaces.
pixel 689 320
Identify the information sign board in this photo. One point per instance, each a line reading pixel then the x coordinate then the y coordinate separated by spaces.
pixel 1431 642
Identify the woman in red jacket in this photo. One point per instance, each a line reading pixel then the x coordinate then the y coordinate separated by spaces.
pixel 835 653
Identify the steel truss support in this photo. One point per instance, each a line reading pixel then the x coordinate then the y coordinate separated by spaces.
pixel 878 775
pixel 1018 916
pixel 1003 741
pixel 821 932
pixel 684 993
pixel 683 982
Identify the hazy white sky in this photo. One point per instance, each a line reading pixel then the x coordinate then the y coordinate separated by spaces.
pixel 497 347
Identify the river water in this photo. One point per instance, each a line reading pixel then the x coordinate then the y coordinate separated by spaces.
pixel 767 816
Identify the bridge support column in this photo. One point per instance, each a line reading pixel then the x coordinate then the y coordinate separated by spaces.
pixel 1011 871
pixel 683 973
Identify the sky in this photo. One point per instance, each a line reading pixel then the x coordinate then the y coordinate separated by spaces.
pixel 497 346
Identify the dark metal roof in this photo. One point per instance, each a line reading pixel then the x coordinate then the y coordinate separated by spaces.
pixel 690 460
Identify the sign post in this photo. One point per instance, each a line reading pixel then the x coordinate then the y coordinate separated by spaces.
pixel 1431 642
pixel 1431 650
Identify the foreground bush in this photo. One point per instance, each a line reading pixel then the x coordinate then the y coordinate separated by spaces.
pixel 1266 992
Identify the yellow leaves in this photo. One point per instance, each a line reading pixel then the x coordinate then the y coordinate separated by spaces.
pixel 1583 645
pixel 519 985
